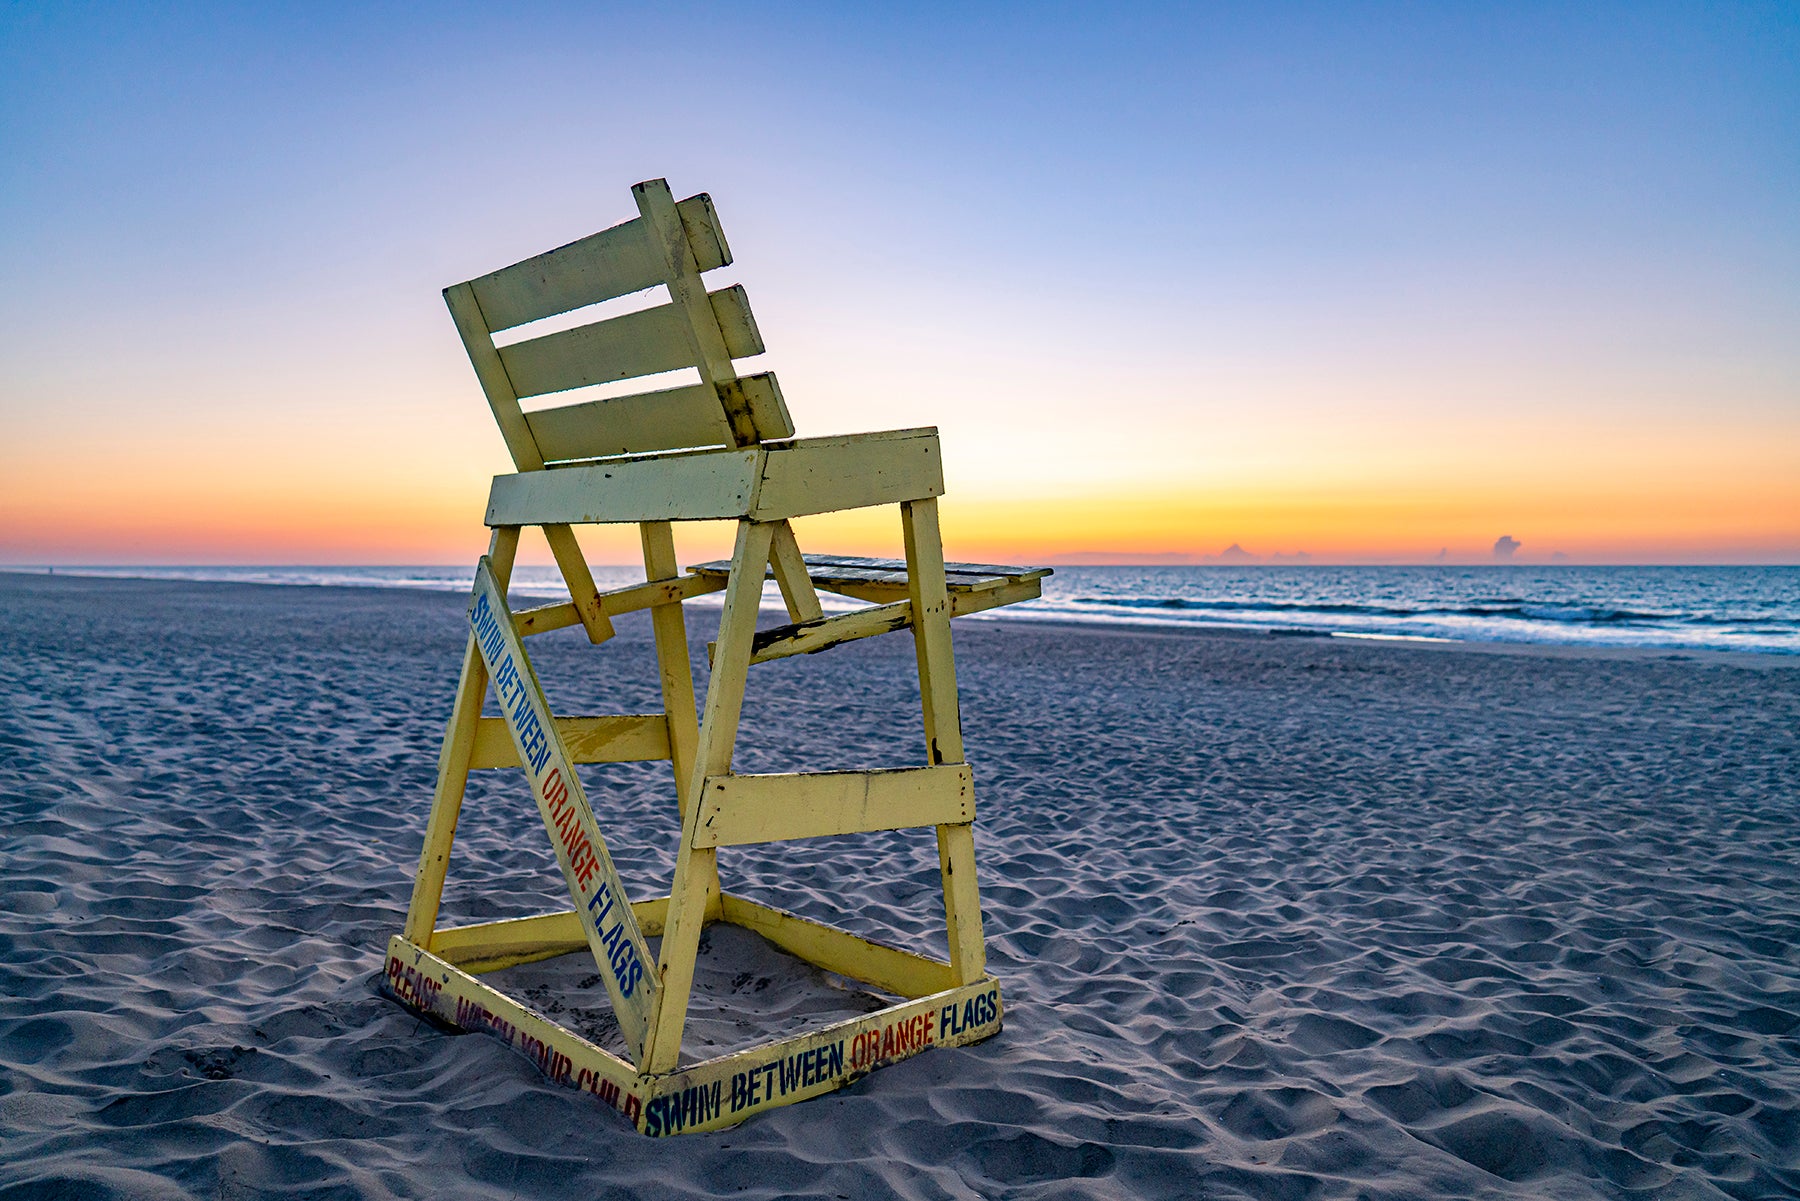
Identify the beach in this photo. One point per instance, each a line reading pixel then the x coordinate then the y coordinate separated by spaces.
pixel 1273 916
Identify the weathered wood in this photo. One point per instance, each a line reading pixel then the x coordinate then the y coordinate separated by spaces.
pixel 670 419
pixel 620 738
pixel 647 342
pixel 883 580
pixel 964 603
pixel 617 601
pixel 427 983
pixel 546 618
pixel 453 762
pixel 674 672
pixel 697 486
pixel 817 1061
pixel 696 867
pixel 580 582
pixel 612 263
pixel 709 338
pixel 740 810
pixel 491 946
pixel 613 936
pixel 766 483
pixel 824 475
pixel 963 598
pixel 502 398
pixel 714 1093
pixel 788 566
pixel 811 637
pixel 718 449
pixel 890 969
pixel 943 729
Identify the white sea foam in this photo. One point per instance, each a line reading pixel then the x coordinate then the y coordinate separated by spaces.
pixel 1700 608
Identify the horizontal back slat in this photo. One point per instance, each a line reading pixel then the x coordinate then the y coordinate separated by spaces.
pixel 614 262
pixel 671 419
pixel 646 342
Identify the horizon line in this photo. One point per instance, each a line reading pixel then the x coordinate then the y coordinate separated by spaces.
pixel 1048 561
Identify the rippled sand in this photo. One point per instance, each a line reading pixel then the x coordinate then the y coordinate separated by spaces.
pixel 1275 917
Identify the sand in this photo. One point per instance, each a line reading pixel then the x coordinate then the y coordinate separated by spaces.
pixel 1276 917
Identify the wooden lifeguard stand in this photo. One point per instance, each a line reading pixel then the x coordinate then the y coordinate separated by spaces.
pixel 722 448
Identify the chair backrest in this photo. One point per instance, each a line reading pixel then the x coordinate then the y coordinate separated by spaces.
pixel 667 244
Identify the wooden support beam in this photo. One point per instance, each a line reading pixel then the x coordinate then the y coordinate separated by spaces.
pixel 615 738
pixel 453 762
pixel 789 568
pixel 714 1093
pixel 943 729
pixel 670 590
pixel 854 471
pixel 770 482
pixel 695 486
pixel 809 638
pixel 890 969
pixel 740 810
pixel 490 946
pixel 612 934
pixel 963 600
pixel 501 398
pixel 580 581
pixel 696 868
pixel 711 337
pixel 674 672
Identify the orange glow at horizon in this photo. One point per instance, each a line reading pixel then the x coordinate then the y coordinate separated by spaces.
pixel 122 521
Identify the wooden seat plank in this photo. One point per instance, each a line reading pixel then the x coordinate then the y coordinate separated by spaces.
pixel 826 570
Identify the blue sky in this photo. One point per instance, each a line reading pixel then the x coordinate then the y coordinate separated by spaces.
pixel 1508 263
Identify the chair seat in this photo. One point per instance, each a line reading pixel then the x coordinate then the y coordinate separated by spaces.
pixel 884 580
pixel 972 588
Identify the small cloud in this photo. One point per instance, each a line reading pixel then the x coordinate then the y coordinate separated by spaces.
pixel 1506 546
pixel 1235 554
pixel 1298 556
pixel 1559 557
pixel 1443 554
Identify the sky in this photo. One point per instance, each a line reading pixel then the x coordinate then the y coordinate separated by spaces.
pixel 1364 282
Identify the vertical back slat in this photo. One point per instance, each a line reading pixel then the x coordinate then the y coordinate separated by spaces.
pixel 681 271
pixel 472 324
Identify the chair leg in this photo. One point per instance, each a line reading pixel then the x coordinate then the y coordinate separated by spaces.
pixel 670 625
pixel 695 867
pixel 453 763
pixel 943 729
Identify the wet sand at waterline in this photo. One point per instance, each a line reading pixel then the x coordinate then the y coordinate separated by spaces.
pixel 1274 917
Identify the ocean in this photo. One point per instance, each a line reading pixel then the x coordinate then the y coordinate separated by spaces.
pixel 1691 608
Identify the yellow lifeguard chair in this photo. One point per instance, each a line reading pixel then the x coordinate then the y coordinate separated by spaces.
pixel 722 448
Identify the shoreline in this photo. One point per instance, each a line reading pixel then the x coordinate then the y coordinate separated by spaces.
pixel 1771 659
pixel 1550 650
